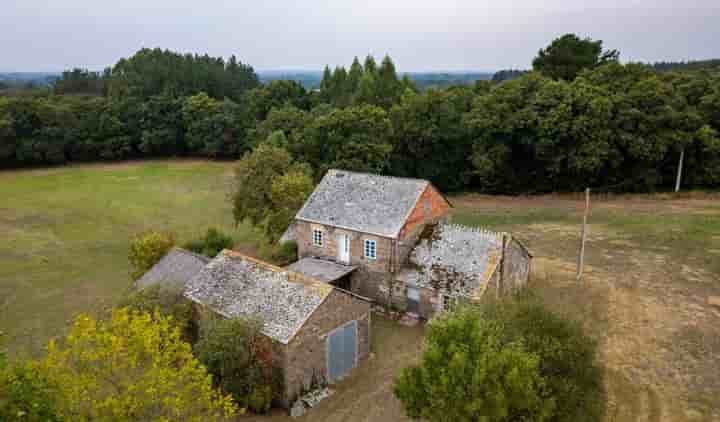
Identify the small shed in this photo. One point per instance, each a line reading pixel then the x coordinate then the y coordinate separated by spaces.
pixel 319 333
pixel 173 270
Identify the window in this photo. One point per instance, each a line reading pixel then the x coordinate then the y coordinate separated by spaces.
pixel 317 237
pixel 370 249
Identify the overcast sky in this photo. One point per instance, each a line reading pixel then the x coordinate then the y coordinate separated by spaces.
pixel 52 35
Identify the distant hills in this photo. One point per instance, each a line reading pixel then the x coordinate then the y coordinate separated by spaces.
pixel 310 79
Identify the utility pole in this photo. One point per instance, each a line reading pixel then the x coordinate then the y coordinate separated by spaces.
pixel 581 256
pixel 679 171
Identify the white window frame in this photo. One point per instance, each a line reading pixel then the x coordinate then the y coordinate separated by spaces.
pixel 367 248
pixel 317 238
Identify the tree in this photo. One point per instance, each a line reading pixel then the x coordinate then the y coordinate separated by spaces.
pixel 239 357
pixel 147 248
pixel 566 56
pixel 430 140
pixel 354 138
pixel 568 359
pixel 254 175
pixel 468 373
pixel 287 195
pixel 132 367
pixel 388 85
pixel 354 76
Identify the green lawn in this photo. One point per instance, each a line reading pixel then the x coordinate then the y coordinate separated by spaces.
pixel 66 233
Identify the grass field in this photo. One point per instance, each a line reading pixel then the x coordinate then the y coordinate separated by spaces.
pixel 652 263
pixel 66 233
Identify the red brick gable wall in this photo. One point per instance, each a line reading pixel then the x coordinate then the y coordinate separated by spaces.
pixel 438 208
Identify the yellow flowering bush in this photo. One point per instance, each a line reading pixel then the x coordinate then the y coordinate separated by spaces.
pixel 132 367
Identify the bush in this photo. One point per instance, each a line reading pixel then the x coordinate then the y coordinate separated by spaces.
pixel 282 254
pixel 239 357
pixel 469 373
pixel 133 366
pixel 147 249
pixel 568 358
pixel 260 399
pixel 170 302
pixel 26 394
pixel 211 244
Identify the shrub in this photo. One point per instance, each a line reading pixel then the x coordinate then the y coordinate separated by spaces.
pixel 147 249
pixel 26 394
pixel 469 373
pixel 133 366
pixel 568 357
pixel 260 399
pixel 239 357
pixel 170 302
pixel 282 254
pixel 211 244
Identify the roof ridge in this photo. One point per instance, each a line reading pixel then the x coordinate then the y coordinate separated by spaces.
pixel 292 276
pixel 386 176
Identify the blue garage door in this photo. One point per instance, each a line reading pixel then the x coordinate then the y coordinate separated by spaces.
pixel 341 351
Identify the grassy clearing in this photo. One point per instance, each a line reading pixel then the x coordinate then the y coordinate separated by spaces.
pixel 66 234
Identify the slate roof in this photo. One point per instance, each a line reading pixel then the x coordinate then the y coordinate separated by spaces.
pixel 366 203
pixel 175 269
pixel 234 285
pixel 321 269
pixel 455 259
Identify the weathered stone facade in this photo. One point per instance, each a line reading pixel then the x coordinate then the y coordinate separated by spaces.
pixel 328 250
pixel 305 357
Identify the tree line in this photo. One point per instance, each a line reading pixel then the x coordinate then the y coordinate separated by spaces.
pixel 580 118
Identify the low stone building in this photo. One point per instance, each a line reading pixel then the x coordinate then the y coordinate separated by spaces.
pixel 454 263
pixel 319 332
pixel 369 234
pixel 173 270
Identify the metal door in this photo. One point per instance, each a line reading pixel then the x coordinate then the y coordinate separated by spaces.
pixel 413 300
pixel 341 351
pixel 343 248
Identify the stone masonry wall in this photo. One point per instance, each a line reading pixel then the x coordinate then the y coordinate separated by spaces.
pixel 306 360
pixel 328 251
pixel 516 269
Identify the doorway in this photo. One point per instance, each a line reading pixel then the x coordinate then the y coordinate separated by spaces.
pixel 343 248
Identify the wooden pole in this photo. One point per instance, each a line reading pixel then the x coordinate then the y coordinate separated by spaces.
pixel 581 256
pixel 501 278
pixel 679 171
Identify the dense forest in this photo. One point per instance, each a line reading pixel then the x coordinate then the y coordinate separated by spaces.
pixel 571 122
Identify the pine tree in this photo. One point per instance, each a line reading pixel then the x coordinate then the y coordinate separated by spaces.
pixel 326 85
pixel 370 65
pixel 388 86
pixel 354 76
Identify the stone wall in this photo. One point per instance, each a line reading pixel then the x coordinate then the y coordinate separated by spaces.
pixel 516 269
pixel 328 251
pixel 306 360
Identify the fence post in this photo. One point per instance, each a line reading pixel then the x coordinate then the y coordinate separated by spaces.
pixel 581 255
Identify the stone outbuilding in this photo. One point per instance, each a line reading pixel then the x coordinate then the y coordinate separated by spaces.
pixel 173 270
pixel 319 332
pixel 453 263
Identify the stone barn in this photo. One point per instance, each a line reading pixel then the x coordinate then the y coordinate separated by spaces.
pixel 319 332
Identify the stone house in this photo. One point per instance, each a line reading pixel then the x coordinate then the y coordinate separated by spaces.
pixel 319 333
pixel 387 238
